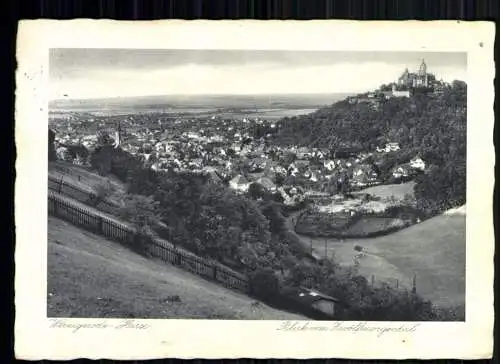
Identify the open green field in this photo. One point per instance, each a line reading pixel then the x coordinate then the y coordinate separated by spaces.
pixel 386 191
pixel 89 276
pixel 434 250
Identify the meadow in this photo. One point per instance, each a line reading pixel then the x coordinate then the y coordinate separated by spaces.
pixel 121 284
pixel 397 191
pixel 433 250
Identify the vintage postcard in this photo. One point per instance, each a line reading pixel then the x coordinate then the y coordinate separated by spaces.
pixel 257 189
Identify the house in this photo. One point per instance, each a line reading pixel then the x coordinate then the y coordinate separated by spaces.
pixel 389 147
pixel 303 153
pixel 279 170
pixel 302 164
pixel 396 93
pixel 314 177
pixel 401 171
pixel 212 174
pixel 293 170
pixel 329 165
pixel 267 183
pixel 236 147
pixel 405 93
pixel 197 162
pixel 258 163
pixel 239 183
pixel 417 163
pixel 392 147
pixel 315 302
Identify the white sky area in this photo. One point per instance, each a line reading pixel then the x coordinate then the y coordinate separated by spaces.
pixel 92 73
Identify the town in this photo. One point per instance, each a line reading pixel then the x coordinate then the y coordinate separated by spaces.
pixel 229 150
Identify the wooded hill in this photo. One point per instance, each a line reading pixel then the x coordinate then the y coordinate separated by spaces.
pixel 430 125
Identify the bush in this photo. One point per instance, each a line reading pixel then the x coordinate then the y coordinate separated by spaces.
pixel 358 248
pixel 101 192
pixel 142 241
pixel 264 284
pixel 140 210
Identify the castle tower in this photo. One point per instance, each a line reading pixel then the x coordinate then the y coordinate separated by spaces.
pixel 423 69
pixel 404 79
pixel 422 74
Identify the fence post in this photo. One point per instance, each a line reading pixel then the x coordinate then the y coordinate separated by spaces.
pixel 414 284
pixel 177 258
pixel 214 273
pixel 100 225
pixel 55 207
pixel 60 185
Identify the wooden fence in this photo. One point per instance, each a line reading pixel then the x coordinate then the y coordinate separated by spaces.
pixel 158 248
pixel 60 186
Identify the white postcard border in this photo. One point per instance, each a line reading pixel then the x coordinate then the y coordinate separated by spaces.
pixel 256 339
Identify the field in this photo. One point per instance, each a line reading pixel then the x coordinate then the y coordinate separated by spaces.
pixel 89 276
pixel 433 250
pixel 396 190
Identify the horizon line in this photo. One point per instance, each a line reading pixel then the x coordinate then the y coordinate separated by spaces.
pixel 191 95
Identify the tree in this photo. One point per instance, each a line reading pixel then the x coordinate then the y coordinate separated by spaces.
pixel 256 190
pixel 101 192
pixel 142 212
pixel 272 211
pixel 264 283
pixel 52 147
pixel 103 138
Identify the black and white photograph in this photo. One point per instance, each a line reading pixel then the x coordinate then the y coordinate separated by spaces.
pixel 251 189
pixel 247 184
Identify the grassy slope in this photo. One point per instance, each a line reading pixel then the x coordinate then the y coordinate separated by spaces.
pixel 89 276
pixel 88 179
pixel 434 250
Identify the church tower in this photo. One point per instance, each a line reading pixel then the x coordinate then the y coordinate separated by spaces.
pixel 117 135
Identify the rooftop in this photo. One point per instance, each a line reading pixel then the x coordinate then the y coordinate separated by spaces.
pixel 309 296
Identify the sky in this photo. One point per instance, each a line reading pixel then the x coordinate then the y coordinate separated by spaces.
pixel 101 73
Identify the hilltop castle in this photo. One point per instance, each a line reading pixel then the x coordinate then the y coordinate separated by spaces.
pixel 412 80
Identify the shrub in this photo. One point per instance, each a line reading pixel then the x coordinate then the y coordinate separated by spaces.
pixel 101 192
pixel 142 240
pixel 140 210
pixel 264 283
